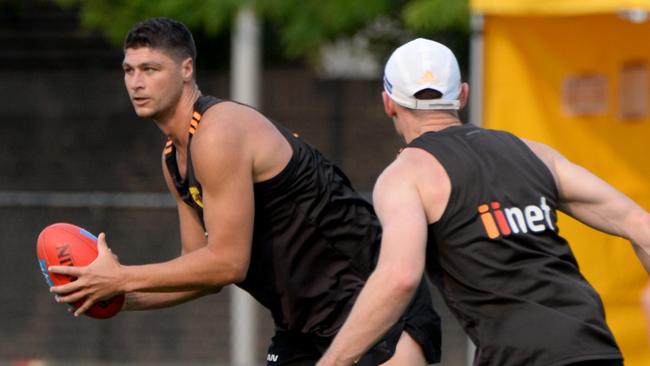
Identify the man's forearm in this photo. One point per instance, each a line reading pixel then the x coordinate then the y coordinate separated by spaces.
pixel 199 270
pixel 643 256
pixel 638 232
pixel 157 300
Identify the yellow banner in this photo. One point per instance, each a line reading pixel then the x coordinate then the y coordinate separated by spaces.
pixel 581 85
pixel 555 7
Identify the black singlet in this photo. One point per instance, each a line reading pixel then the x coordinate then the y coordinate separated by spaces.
pixel 315 239
pixel 497 257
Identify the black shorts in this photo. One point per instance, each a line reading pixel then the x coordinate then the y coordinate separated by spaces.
pixel 420 321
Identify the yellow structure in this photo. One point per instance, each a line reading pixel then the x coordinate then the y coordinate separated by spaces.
pixel 556 7
pixel 575 74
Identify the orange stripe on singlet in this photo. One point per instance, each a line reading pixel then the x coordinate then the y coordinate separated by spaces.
pixel 168 146
pixel 194 124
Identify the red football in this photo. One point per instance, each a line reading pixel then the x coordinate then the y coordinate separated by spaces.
pixel 69 245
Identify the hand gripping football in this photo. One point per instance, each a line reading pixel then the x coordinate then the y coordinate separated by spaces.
pixel 69 245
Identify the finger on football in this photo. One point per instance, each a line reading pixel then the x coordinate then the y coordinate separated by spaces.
pixel 102 246
pixel 86 305
pixel 65 270
pixel 66 289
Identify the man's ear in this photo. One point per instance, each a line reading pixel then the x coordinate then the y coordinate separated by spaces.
pixel 187 69
pixel 389 105
pixel 464 95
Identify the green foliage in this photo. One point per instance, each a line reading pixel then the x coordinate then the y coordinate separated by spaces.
pixel 115 17
pixel 301 25
pixel 436 15
pixel 304 25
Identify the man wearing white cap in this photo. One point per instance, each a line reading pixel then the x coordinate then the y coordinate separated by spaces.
pixel 477 208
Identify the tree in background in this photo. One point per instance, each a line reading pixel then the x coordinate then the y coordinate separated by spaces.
pixel 301 26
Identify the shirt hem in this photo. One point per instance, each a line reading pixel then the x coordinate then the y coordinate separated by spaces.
pixel 574 359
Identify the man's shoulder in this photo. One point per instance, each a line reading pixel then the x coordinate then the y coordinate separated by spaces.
pixel 415 158
pixel 226 118
pixel 232 131
pixel 408 165
pixel 220 131
pixel 228 114
pixel 414 166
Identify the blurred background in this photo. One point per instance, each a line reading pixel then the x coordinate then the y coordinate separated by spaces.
pixel 572 74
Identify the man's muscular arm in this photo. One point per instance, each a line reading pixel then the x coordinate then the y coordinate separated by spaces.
pixel 594 202
pixel 399 270
pixel 192 238
pixel 223 163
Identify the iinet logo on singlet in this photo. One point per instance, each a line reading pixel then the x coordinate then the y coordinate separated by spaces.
pixel 515 220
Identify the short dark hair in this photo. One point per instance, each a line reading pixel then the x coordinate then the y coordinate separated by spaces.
pixel 428 94
pixel 164 34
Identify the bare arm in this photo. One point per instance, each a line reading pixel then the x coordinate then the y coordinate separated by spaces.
pixel 399 270
pixel 224 167
pixel 223 164
pixel 192 238
pixel 594 202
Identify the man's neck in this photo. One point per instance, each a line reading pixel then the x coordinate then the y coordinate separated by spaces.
pixel 433 122
pixel 175 123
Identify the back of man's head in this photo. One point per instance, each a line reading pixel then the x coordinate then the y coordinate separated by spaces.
pixel 423 74
pixel 164 34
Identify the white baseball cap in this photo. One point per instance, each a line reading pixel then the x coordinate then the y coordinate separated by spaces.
pixel 423 64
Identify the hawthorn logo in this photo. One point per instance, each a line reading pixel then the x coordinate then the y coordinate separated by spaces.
pixel 514 220
pixel 196 196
